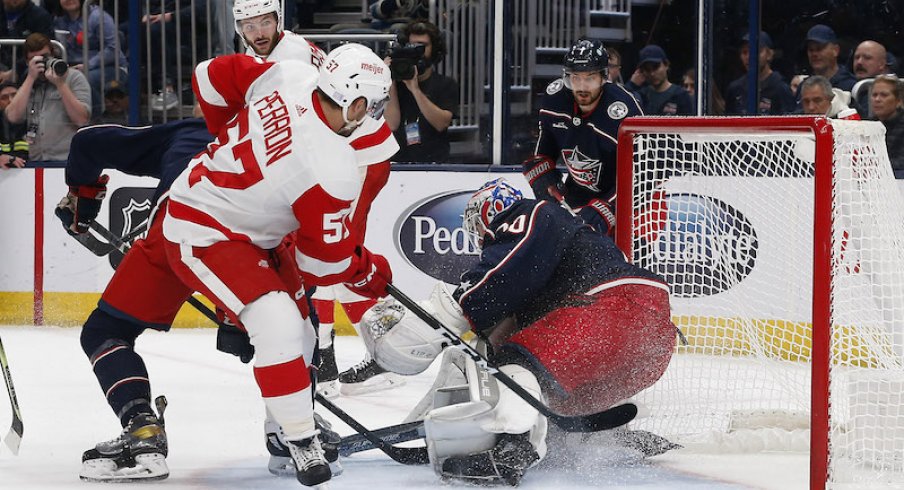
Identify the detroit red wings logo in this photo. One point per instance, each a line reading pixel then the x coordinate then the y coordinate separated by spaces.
pixel 583 169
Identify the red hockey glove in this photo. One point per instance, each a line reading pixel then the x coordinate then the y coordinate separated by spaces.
pixel 372 276
pixel 80 206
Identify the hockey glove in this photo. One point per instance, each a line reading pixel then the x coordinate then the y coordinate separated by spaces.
pixel 600 215
pixel 78 209
pixel 372 276
pixel 543 177
pixel 232 339
pixel 504 464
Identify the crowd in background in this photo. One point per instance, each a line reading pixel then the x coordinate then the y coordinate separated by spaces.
pixel 835 80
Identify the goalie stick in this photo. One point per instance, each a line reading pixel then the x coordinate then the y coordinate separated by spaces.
pixel 404 455
pixel 14 437
pixel 392 434
pixel 605 420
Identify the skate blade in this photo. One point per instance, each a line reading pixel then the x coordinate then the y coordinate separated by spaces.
pixel 380 382
pixel 285 467
pixel 329 389
pixel 148 467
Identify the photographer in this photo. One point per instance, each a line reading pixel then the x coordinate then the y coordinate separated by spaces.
pixel 53 102
pixel 422 103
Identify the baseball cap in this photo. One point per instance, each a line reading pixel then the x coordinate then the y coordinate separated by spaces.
pixel 822 34
pixel 115 86
pixel 765 40
pixel 652 54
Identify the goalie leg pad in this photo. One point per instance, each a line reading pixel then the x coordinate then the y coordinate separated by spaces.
pixel 473 412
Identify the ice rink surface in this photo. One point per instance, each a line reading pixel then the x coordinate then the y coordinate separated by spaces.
pixel 215 427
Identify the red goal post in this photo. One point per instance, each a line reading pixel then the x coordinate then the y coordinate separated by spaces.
pixel 777 236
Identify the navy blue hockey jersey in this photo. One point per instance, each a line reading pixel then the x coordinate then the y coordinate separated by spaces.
pixel 538 257
pixel 161 151
pixel 584 141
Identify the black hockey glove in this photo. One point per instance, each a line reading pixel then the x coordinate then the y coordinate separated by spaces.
pixel 79 208
pixel 233 340
pixel 543 177
pixel 503 465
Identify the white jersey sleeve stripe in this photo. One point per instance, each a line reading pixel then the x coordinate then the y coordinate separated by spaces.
pixel 319 268
pixel 207 91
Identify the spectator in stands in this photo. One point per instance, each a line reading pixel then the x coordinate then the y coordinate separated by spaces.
pixel 886 99
pixel 615 64
pixel 822 53
pixel 392 15
pixel 13 148
pixel 52 106
pixel 651 80
pixel 421 107
pixel 689 82
pixel 105 61
pixel 795 82
pixel 188 24
pixel 116 102
pixel 18 19
pixel 817 96
pixel 870 60
pixel 775 95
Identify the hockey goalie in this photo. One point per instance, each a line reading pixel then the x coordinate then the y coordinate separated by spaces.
pixel 555 305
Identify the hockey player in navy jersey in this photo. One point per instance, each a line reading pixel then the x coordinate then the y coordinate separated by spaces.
pixel 563 313
pixel 579 120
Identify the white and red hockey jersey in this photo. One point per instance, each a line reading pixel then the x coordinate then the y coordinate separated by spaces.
pixel 291 46
pixel 273 168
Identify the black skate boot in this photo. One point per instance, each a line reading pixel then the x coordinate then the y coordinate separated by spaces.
pixel 328 373
pixel 281 463
pixel 138 454
pixel 311 465
pixel 366 377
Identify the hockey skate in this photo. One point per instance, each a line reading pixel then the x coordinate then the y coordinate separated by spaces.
pixel 281 462
pixel 367 377
pixel 138 454
pixel 328 373
pixel 310 463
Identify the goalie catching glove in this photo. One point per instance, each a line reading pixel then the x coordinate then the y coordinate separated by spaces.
pixel 80 206
pixel 401 342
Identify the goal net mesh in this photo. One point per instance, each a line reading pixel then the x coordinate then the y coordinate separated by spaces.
pixel 726 216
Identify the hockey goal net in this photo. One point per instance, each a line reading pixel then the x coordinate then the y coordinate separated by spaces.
pixel 782 239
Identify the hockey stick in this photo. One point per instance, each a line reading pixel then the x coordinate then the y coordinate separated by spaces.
pixel 120 245
pixel 14 438
pixel 605 420
pixel 404 455
pixel 393 434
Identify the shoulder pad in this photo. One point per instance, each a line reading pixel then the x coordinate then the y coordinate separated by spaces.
pixel 555 86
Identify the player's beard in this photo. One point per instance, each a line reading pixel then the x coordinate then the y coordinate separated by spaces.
pixel 586 98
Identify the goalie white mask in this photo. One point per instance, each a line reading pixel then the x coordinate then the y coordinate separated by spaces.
pixel 247 9
pixel 353 71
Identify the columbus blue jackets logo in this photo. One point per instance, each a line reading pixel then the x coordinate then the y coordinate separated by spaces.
pixel 583 169
pixel 617 110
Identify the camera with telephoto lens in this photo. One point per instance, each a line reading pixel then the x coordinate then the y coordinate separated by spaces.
pixel 57 65
pixel 404 59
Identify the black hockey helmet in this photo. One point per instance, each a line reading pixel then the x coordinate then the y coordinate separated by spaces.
pixel 587 55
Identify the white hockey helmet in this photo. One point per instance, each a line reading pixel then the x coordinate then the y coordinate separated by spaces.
pixel 352 71
pixel 246 9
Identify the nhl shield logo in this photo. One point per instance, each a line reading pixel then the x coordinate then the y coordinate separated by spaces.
pixel 617 110
pixel 130 209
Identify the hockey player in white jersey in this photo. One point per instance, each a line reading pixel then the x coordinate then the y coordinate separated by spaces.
pixel 278 166
pixel 259 25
